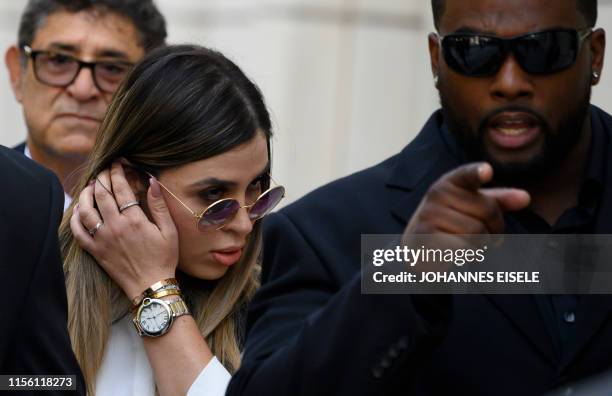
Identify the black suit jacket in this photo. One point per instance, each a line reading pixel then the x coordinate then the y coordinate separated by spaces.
pixel 33 333
pixel 20 147
pixel 310 331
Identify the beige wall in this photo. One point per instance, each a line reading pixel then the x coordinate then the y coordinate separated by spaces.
pixel 347 81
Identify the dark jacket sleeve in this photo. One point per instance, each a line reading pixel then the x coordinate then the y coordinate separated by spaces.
pixel 38 341
pixel 311 334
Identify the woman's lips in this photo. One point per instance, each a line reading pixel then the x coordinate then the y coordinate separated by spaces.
pixel 227 257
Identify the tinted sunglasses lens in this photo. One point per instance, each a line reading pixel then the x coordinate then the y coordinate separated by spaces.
pixel 547 52
pixel 219 214
pixel 472 55
pixel 266 202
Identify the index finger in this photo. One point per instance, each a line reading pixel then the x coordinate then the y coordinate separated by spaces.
pixel 470 176
pixel 107 206
pixel 121 187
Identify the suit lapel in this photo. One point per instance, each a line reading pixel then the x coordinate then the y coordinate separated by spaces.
pixel 419 165
pixel 20 147
pixel 522 310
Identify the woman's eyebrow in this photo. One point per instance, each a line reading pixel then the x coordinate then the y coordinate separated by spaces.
pixel 214 181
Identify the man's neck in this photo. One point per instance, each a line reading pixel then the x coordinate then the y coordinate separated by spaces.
pixel 65 169
pixel 557 192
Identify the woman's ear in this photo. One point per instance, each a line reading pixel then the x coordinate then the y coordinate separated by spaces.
pixel 137 182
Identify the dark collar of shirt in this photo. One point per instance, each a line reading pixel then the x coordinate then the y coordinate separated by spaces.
pixel 579 219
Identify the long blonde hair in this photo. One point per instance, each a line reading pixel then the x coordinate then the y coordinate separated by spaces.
pixel 180 104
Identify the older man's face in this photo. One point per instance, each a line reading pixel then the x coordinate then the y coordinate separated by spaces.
pixel 524 123
pixel 63 121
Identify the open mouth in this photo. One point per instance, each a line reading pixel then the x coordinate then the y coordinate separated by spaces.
pixel 513 130
pixel 227 257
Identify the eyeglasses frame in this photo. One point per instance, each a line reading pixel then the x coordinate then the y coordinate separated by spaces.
pixel 201 214
pixel 32 54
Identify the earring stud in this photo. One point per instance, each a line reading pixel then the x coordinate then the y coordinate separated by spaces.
pixel 595 75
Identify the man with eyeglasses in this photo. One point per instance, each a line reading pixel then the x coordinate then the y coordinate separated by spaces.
pixel 70 58
pixel 516 148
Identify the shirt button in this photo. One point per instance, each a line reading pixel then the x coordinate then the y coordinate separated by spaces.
pixel 402 344
pixel 377 372
pixel 569 317
pixel 385 363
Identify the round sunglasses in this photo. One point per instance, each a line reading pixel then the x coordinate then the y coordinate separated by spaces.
pixel 544 52
pixel 218 214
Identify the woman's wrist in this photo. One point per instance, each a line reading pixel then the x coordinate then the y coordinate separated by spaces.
pixel 136 289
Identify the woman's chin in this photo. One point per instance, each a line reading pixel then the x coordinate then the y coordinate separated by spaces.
pixel 208 271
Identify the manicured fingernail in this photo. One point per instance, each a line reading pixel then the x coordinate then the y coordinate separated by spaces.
pixel 155 190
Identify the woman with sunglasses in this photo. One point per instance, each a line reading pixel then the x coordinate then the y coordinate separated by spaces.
pixel 161 249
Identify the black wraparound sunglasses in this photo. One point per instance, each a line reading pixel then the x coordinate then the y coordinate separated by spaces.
pixel 545 52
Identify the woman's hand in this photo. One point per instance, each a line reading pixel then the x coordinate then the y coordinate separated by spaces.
pixel 134 251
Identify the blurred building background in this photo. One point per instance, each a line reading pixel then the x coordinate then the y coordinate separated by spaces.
pixel 347 81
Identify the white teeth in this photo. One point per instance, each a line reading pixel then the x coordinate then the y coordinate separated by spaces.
pixel 512 131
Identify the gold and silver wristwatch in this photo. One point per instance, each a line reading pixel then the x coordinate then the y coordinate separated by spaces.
pixel 155 316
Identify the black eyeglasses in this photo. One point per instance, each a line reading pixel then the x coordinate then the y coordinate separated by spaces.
pixel 545 52
pixel 60 70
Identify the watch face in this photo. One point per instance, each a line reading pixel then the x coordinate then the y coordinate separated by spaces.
pixel 154 317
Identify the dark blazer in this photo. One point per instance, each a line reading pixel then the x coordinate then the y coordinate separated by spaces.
pixel 310 331
pixel 33 333
pixel 20 147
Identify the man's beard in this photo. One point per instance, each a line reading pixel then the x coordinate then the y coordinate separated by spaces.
pixel 557 143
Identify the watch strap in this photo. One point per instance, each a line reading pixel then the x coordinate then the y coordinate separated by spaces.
pixel 178 307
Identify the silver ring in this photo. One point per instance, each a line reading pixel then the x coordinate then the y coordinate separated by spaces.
pixel 96 228
pixel 127 205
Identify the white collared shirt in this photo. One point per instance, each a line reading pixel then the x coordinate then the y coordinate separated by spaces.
pixel 126 371
pixel 67 198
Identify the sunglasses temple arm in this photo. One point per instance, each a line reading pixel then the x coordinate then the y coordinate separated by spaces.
pixel 271 178
pixel 175 197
